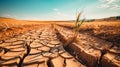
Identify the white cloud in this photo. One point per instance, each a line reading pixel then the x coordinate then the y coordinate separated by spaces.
pixel 115 7
pixel 59 15
pixel 109 1
pixel 112 4
pixel 8 15
pixel 55 9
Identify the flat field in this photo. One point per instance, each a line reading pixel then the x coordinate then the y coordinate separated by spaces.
pixel 25 43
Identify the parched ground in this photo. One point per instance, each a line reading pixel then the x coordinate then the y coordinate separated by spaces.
pixel 37 48
pixel 43 45
pixel 92 51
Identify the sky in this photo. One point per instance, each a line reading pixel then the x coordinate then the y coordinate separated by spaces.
pixel 58 9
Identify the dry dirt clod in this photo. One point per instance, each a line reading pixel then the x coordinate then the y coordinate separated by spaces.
pixel 11 40
pixel 44 48
pixel 73 63
pixel 46 54
pixel 35 45
pixel 110 60
pixel 66 55
pixel 18 42
pixel 115 50
pixel 57 62
pixel 50 45
pixel 54 42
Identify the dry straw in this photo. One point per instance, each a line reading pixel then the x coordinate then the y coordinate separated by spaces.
pixel 78 23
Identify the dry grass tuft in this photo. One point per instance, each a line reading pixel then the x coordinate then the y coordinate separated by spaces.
pixel 78 23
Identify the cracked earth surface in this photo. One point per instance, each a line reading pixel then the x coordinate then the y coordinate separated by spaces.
pixel 44 48
pixel 39 48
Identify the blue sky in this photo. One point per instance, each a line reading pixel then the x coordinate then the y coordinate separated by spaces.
pixel 58 9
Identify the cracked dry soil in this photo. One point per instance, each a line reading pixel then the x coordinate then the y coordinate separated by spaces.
pixel 44 48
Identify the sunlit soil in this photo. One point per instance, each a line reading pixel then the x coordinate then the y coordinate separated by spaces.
pixel 39 44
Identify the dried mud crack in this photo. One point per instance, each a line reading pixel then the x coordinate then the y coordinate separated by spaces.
pixel 27 47
pixel 45 48
pixel 37 48
pixel 90 50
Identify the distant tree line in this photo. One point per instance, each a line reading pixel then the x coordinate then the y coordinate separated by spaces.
pixel 118 17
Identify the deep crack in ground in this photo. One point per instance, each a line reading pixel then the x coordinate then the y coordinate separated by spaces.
pixel 44 48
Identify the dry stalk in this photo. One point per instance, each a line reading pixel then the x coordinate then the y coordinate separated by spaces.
pixel 78 23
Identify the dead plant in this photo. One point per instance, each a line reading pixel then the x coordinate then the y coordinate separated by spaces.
pixel 78 23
